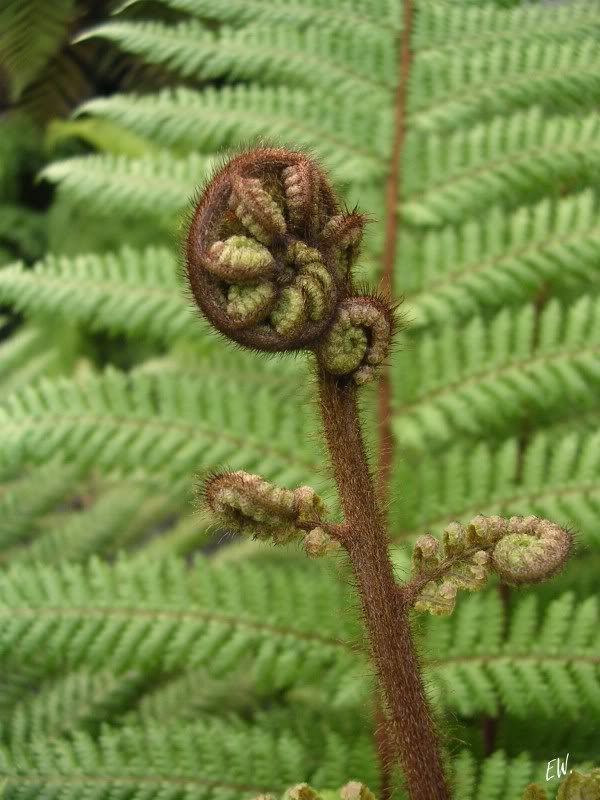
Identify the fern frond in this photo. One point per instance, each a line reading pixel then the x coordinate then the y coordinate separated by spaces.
pixel 24 500
pixel 76 701
pixel 138 424
pixel 548 665
pixel 287 625
pixel 351 143
pixel 158 186
pixel 440 27
pixel 22 230
pixel 116 520
pixel 499 777
pixel 311 58
pixel 208 760
pixel 500 259
pixel 518 364
pixel 459 87
pixel 31 31
pixel 130 291
pixel 359 15
pixel 554 477
pixel 24 357
pixel 509 160
pixel 187 536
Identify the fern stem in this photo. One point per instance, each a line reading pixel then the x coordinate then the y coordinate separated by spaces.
pixel 386 442
pixel 385 608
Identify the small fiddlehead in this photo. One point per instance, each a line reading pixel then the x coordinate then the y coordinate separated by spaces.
pixel 250 505
pixel 520 550
pixel 269 256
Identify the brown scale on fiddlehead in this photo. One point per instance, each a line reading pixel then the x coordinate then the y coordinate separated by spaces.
pixel 269 256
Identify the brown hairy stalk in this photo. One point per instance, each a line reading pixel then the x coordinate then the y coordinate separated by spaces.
pixel 385 609
pixel 269 259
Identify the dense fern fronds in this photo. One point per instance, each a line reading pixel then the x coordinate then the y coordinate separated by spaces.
pixel 144 425
pixel 489 375
pixel 315 57
pixel 25 356
pixel 509 160
pixel 25 499
pixel 209 759
pixel 499 777
pixel 557 478
pixel 134 292
pixel 493 391
pixel 187 120
pixel 439 28
pixel 500 259
pixel 30 33
pixel 453 88
pixel 151 616
pixel 114 521
pixel 547 666
pixel 78 700
pixel 158 186
pixel 359 15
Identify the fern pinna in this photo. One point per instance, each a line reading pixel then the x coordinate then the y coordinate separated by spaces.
pixel 139 659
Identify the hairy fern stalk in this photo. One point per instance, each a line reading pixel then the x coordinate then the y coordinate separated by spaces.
pixel 461 140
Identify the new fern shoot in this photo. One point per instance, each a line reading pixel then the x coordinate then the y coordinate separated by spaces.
pixel 269 258
pixel 411 476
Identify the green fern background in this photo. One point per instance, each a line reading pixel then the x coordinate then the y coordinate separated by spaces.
pixel 140 659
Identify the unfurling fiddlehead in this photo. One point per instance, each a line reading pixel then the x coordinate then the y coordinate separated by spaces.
pixel 520 550
pixel 268 259
pixel 251 505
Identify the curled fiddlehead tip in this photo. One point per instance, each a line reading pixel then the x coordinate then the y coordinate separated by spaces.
pixel 527 549
pixel 359 338
pixel 520 550
pixel 251 505
pixel 268 258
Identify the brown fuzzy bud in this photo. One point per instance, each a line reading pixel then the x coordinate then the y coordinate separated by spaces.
pixel 251 505
pixel 520 550
pixel 532 550
pixel 268 258
pixel 437 598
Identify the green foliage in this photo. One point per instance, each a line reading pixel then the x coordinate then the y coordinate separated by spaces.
pixel 525 660
pixel 137 661
pixel 30 35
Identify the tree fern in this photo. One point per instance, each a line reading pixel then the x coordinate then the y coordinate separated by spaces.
pixel 546 666
pixel 163 617
pixel 550 476
pixel 126 292
pixel 527 364
pixel 142 425
pixel 141 663
pixel 30 37
pixel 499 259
